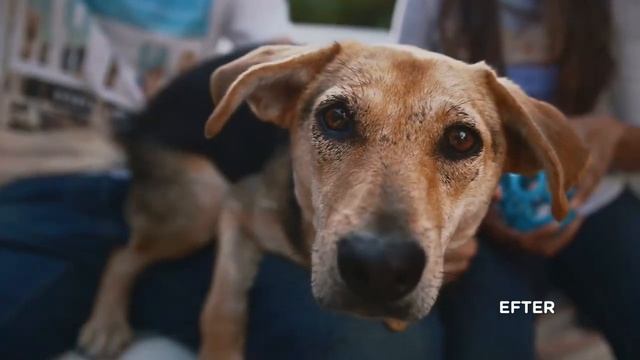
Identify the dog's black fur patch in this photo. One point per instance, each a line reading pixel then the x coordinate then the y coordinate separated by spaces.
pixel 175 119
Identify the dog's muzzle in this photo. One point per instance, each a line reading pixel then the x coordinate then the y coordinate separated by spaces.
pixel 378 270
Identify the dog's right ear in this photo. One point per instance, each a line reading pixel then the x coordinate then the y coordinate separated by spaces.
pixel 270 79
pixel 539 137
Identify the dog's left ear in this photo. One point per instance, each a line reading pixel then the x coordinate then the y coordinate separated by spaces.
pixel 538 137
pixel 270 79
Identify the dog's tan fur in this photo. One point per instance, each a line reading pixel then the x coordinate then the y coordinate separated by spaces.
pixel 392 173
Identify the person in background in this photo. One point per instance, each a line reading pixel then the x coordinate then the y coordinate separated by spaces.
pixel 70 71
pixel 73 69
pixel 580 56
pixel 62 200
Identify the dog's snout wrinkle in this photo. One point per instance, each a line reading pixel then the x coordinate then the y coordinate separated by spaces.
pixel 378 269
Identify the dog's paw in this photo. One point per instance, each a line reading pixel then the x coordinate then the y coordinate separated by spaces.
pixel 104 339
pixel 396 325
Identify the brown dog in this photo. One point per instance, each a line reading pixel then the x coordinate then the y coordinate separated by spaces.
pixel 394 155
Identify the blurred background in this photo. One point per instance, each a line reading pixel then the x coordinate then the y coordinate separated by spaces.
pixel 364 13
pixel 73 70
pixel 321 21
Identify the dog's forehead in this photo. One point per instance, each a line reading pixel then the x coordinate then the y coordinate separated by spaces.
pixel 404 63
pixel 397 81
pixel 403 75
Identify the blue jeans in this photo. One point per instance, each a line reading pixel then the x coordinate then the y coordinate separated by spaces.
pixel 599 271
pixel 55 236
pixel 56 233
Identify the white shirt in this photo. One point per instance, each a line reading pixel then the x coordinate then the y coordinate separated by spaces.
pixel 415 22
pixel 88 60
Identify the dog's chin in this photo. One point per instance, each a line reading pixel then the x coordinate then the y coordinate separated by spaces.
pixel 409 309
pixel 395 311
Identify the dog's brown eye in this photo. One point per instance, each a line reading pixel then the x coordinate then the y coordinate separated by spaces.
pixel 336 120
pixel 460 141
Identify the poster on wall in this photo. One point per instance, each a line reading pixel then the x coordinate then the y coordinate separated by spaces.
pixel 69 62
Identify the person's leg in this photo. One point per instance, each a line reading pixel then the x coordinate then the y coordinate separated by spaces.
pixel 286 323
pixel 469 308
pixel 55 236
pixel 50 214
pixel 600 271
pixel 284 320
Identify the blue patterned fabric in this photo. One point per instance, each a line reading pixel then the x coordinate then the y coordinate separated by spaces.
pixel 526 202
pixel 181 18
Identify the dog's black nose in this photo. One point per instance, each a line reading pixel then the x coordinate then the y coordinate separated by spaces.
pixel 380 270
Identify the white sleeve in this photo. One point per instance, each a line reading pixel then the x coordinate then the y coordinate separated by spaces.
pixel 626 84
pixel 415 22
pixel 254 21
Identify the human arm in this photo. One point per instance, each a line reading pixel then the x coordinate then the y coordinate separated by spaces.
pixel 410 23
pixel 248 22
